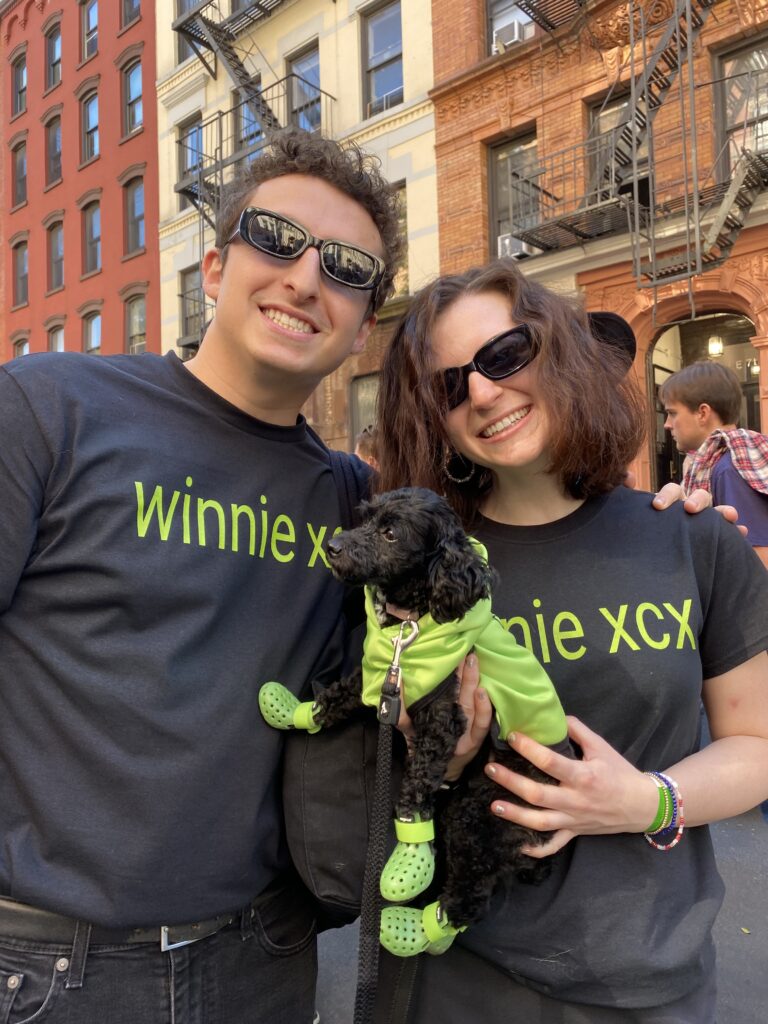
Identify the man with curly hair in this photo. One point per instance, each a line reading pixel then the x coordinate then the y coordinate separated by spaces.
pixel 161 555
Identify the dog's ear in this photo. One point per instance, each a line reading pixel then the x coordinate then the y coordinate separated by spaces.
pixel 458 578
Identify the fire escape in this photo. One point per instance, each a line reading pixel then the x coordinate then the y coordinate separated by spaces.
pixel 224 33
pixel 645 176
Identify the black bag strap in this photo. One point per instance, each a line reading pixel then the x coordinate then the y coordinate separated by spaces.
pixel 348 486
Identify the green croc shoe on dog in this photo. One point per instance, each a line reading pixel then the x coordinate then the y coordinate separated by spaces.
pixel 282 710
pixel 407 931
pixel 411 865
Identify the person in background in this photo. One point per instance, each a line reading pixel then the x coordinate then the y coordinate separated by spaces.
pixel 365 446
pixel 527 422
pixel 703 406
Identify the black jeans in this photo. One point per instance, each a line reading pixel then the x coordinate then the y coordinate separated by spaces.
pixel 261 970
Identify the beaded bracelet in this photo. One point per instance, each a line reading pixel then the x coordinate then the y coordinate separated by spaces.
pixel 663 813
pixel 677 821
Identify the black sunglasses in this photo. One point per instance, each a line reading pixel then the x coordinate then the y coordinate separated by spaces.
pixel 286 240
pixel 497 359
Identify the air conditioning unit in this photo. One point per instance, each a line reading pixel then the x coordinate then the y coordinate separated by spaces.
pixel 513 248
pixel 506 35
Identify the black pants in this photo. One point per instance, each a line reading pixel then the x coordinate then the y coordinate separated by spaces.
pixel 458 987
pixel 260 970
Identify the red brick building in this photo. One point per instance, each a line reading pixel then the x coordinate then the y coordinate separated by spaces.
pixel 620 150
pixel 79 170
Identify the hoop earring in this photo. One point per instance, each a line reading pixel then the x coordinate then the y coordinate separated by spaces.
pixel 450 455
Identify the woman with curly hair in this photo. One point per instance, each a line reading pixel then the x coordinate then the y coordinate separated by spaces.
pixel 503 396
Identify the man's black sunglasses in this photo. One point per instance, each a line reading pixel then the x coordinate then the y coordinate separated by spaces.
pixel 503 355
pixel 285 239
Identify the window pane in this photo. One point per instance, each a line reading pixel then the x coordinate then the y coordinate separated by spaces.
pixel 384 36
pixel 134 114
pixel 131 10
pixel 53 136
pixel 136 323
pixel 184 49
pixel 20 174
pixel 21 348
pixel 20 274
pixel 90 28
pixel 305 91
pixel 53 58
pixel 20 86
pixel 56 339
pixel 92 238
pixel 191 303
pixel 92 336
pixel 745 99
pixel 516 195
pixel 135 215
pixel 91 128
pixel 56 256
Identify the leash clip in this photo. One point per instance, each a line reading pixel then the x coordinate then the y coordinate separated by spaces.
pixel 389 705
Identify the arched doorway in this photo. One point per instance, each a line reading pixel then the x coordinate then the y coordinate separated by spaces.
pixel 723 337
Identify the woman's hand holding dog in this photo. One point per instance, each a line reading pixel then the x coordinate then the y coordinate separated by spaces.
pixel 598 795
pixel 477 710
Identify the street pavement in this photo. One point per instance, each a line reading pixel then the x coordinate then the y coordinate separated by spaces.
pixel 741 933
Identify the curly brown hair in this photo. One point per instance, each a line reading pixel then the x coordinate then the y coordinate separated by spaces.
pixel 597 414
pixel 345 166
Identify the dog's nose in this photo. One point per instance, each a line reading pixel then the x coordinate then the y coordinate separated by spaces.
pixel 333 547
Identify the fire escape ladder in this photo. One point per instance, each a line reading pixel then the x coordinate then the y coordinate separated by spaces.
pixel 204 196
pixel 221 41
pixel 748 179
pixel 651 88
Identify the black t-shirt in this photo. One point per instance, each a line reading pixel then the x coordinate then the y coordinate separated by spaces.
pixel 629 610
pixel 160 559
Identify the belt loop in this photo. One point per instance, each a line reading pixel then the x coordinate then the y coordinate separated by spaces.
pixel 246 922
pixel 79 955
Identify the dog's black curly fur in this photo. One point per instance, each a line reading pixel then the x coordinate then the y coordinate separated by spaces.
pixel 412 550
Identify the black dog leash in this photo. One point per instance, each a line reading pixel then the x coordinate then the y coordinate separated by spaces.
pixel 370 908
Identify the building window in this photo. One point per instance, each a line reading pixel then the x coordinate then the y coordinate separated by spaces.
pixel 90 126
pixel 384 59
pixel 363 393
pixel 136 325
pixel 91 238
pixel 191 306
pixel 131 11
pixel 20 274
pixel 53 57
pixel 19 85
pixel 55 257
pixel 190 153
pixel 21 348
pixel 250 134
pixel 19 172
pixel 607 122
pixel 183 46
pixel 53 151
pixel 134 215
pixel 515 194
pixel 400 282
pixel 133 112
pixel 56 339
pixel 92 333
pixel 507 25
pixel 743 101
pixel 305 90
pixel 90 24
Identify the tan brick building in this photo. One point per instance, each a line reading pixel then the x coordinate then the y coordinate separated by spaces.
pixel 620 150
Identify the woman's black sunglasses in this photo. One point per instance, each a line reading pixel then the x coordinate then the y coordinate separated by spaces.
pixel 278 236
pixel 503 355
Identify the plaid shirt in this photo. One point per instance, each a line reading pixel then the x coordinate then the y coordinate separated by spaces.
pixel 749 455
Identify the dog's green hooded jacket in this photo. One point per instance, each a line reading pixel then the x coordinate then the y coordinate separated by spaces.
pixel 520 691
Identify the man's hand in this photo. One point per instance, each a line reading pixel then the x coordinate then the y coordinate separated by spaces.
pixel 695 502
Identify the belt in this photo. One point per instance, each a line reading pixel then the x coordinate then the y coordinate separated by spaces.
pixel 20 921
